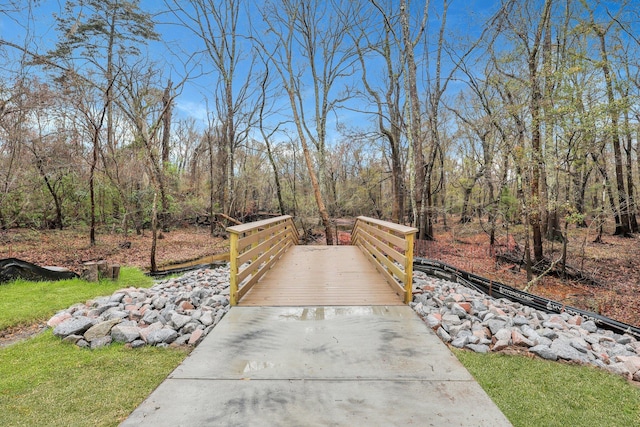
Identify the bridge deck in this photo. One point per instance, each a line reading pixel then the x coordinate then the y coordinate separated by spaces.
pixel 322 276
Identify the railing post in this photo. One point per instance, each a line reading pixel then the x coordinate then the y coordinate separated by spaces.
pixel 408 268
pixel 233 272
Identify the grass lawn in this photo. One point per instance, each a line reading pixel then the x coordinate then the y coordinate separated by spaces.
pixel 535 392
pixel 44 382
pixel 26 303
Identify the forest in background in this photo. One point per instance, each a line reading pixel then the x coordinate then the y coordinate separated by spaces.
pixel 324 109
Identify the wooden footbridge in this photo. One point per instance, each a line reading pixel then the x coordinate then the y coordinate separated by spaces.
pixel 269 268
pixel 330 343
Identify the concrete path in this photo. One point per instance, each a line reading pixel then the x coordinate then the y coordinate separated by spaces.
pixel 324 366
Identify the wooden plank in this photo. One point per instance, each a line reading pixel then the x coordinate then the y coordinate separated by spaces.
pixel 256 277
pixel 389 277
pixel 261 260
pixel 322 275
pixel 379 258
pixel 386 237
pixel 382 247
pixel 239 229
pixel 262 247
pixel 402 229
pixel 233 269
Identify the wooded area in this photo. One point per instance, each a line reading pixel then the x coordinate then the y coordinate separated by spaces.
pixel 530 117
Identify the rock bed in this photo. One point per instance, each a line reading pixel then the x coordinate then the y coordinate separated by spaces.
pixel 182 311
pixel 177 311
pixel 466 318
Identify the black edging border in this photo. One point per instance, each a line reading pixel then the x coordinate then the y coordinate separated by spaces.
pixel 500 290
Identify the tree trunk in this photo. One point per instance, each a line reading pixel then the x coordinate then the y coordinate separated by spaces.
pixel 414 123
pixel 622 226
pixel 633 222
pixel 154 231
pixel 92 195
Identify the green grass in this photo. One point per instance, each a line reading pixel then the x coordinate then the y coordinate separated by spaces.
pixel 46 382
pixel 26 303
pixel 534 392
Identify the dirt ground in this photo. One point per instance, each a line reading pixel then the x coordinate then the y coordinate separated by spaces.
pixel 70 248
pixel 613 263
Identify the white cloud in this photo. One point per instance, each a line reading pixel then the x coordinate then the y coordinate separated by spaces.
pixel 197 110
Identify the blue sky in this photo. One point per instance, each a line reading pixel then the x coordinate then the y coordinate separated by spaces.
pixel 464 20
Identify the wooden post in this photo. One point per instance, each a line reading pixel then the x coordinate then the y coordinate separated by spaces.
pixel 408 269
pixel 104 272
pixel 90 271
pixel 115 272
pixel 233 272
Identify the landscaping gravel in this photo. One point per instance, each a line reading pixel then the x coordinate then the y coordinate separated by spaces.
pixel 466 318
pixel 182 311
pixel 178 310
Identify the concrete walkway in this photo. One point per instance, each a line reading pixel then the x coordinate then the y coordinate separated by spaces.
pixel 324 366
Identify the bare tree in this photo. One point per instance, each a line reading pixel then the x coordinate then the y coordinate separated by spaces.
pixel 216 24
pixel 378 37
pixel 322 39
pixel 601 30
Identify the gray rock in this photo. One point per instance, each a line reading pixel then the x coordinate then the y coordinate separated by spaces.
pixel 189 327
pixel 100 330
pixel 159 302
pixel 73 326
pixel 620 369
pixel 116 314
pixel 451 319
pixel 549 333
pixel 166 336
pixel 421 298
pixel 150 317
pixel 220 313
pixel 495 325
pixel 100 342
pixel 540 340
pixel 625 339
pixel 457 310
pixel 460 342
pixel 580 345
pixel 553 325
pixel 179 320
pixel 529 332
pixel 444 336
pixel 431 320
pixel 520 320
pixel 206 318
pixel 72 339
pixel 544 351
pixel 564 350
pixel 117 297
pixel 478 306
pixel 478 348
pixel 503 334
pixel 182 339
pixel 124 333
pixel 589 326
pixel 138 344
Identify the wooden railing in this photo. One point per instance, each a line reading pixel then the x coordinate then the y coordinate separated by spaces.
pixel 254 248
pixel 390 247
